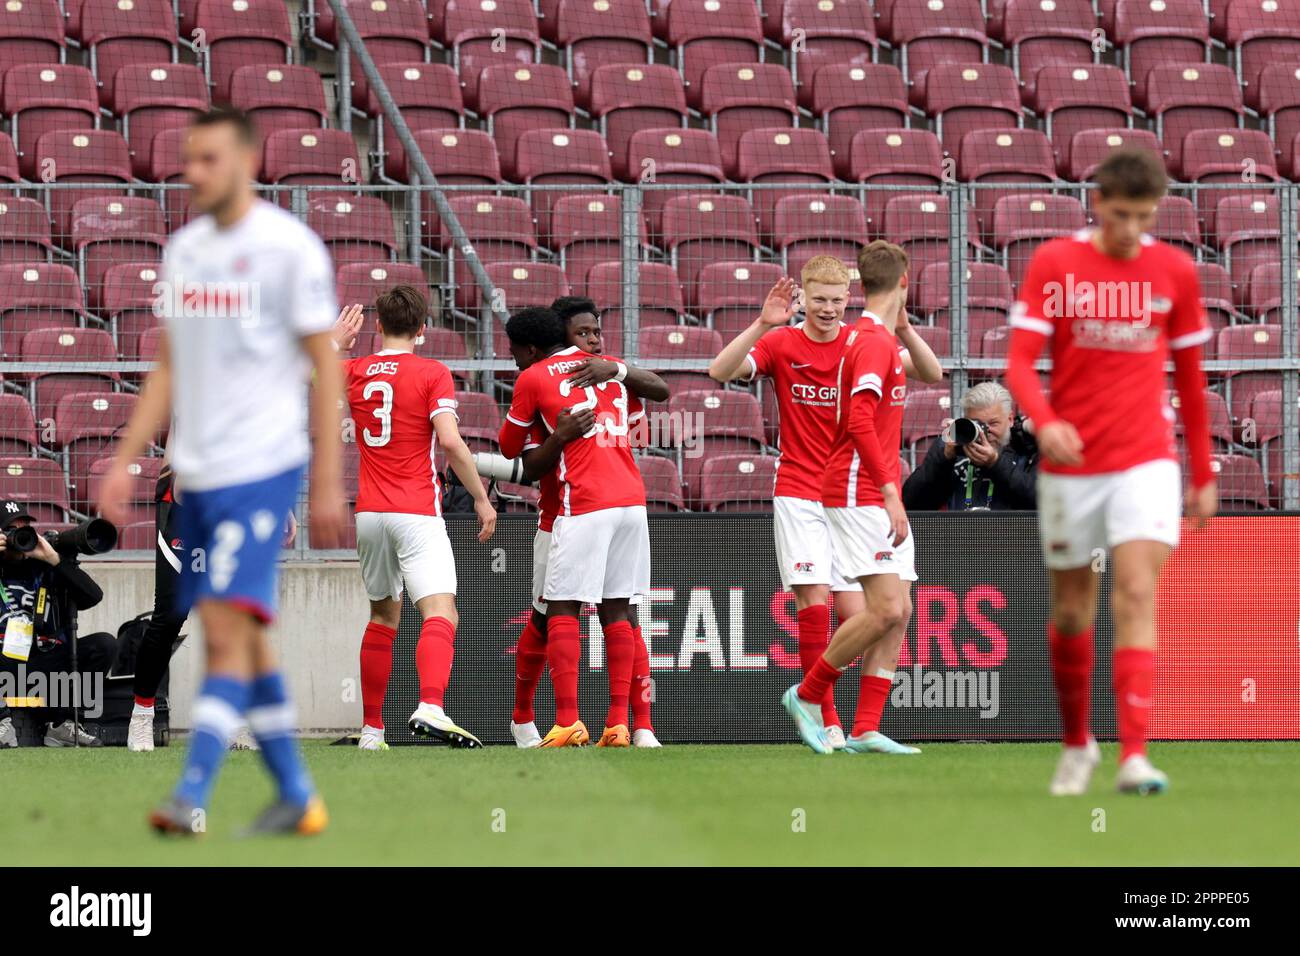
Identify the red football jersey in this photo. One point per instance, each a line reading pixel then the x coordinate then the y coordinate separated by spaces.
pixel 596 471
pixel 1112 324
pixel 871 374
pixel 548 502
pixel 804 376
pixel 394 397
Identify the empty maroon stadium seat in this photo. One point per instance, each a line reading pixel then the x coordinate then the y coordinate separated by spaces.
pixel 117 34
pixel 894 157
pixel 1261 32
pixel 87 425
pixel 1176 223
pixel 24 230
pixel 279 96
pixel 40 97
pixel 673 156
pixel 1075 97
pixel 1216 295
pixel 926 412
pixel 827 32
pixel 517 98
pixel 737 482
pixel 552 157
pixel 140 531
pixel 847 98
pixel 586 230
pixel 501 230
pixel 428 97
pixel 1089 147
pixel 716 422
pixel 361 283
pixel 1003 156
pixel 501 35
pixel 40 484
pixel 659 298
pixel 804 226
pixel 628 99
pixel 596 34
pixel 1240 481
pixel 309 157
pixel 1277 97
pixel 30 32
pixel 919 223
pixel 1152 34
pixel 1229 156
pixel 128 299
pixel 1248 233
pixel 239 32
pixel 663 483
pixel 18 435
pixel 799 158
pixel 150 98
pixel 353 228
pixel 457 157
pixel 1220 420
pixel 166 165
pixel 705 33
pixel 1047 33
pixel 701 229
pixel 521 285
pixel 81 156
pixel 55 346
pixel 393 31
pixel 971 96
pixel 479 420
pixel 1021 223
pixel 678 342
pixel 732 294
pixel 737 97
pixel 988 294
pixel 36 295
pixel 110 229
pixel 951 31
pixel 445 345
pixel 1246 343
pixel 1184 98
pixel 8 160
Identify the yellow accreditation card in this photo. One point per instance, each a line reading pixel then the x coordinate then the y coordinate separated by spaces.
pixel 18 637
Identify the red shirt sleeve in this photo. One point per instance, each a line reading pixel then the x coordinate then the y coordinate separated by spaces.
pixel 870 365
pixel 441 390
pixel 1032 325
pixel 1188 331
pixel 761 356
pixel 519 420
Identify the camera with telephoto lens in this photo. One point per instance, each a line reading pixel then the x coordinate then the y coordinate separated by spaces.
pixel 93 536
pixel 966 430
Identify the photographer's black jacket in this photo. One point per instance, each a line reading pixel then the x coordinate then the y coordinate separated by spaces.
pixel 939 482
pixel 68 586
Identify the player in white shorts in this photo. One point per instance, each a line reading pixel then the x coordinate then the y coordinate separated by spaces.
pixel 1113 305
pixel 801 363
pixel 404 407
pixel 862 497
pixel 600 542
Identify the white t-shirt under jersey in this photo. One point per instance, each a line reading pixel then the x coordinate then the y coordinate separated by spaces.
pixel 237 302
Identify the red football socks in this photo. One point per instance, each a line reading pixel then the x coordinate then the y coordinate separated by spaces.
pixel 620 654
pixel 814 635
pixel 1072 674
pixel 563 650
pixel 433 656
pixel 1133 672
pixel 376 666
pixel 642 683
pixel 530 658
pixel 873 693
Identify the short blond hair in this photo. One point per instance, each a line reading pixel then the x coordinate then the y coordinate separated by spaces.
pixel 881 265
pixel 825 269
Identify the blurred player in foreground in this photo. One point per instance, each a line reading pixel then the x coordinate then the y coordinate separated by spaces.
pixel 247 295
pixel 600 542
pixel 541 458
pixel 1114 304
pixel 861 494
pixel 802 361
pixel 404 408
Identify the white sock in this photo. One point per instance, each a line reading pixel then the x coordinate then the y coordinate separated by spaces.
pixel 141 709
pixel 372 731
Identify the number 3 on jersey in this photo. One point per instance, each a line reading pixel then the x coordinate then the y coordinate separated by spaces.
pixel 384 413
pixel 615 422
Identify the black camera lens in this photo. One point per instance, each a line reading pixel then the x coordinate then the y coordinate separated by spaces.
pixel 966 430
pixel 21 539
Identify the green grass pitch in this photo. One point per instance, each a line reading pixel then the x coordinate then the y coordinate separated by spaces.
pixel 1229 803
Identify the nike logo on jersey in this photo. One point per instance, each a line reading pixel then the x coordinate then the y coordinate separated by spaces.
pixel 800 365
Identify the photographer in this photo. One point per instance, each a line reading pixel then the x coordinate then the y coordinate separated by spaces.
pixel 995 470
pixel 40 592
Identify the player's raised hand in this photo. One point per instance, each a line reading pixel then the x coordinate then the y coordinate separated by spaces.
pixel 348 327
pixel 779 307
pixel 487 518
pixel 1200 504
pixel 1060 443
pixel 115 494
pixel 592 372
